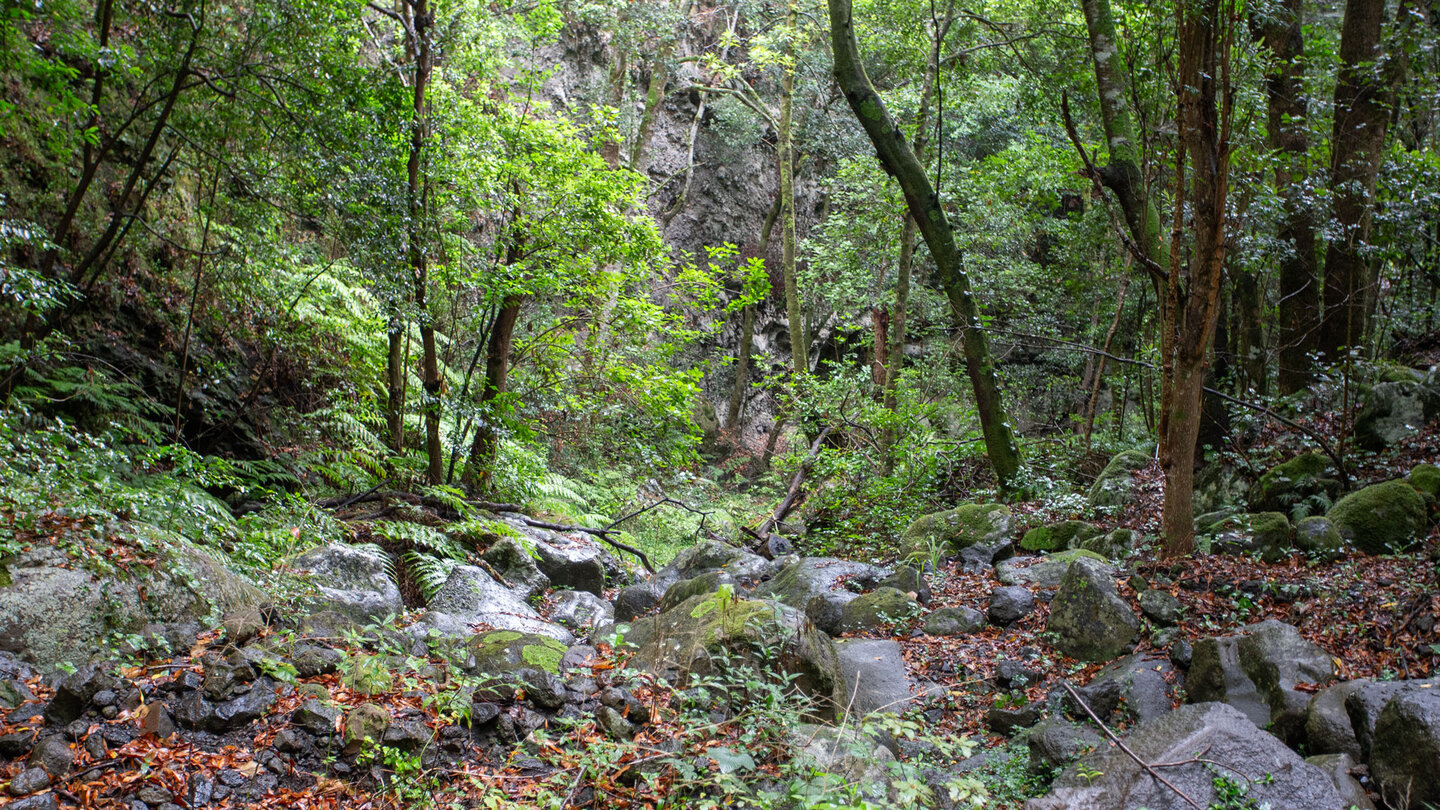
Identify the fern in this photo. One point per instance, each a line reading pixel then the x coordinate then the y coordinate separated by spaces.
pixel 452 498
pixel 428 572
pixel 414 536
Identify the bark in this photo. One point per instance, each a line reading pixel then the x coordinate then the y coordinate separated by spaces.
pixel 395 385
pixel 794 311
pixel 479 470
pixel 1100 364
pixel 1362 109
pixel 422 51
pixel 1193 288
pixel 924 205
pixel 1249 304
pixel 654 94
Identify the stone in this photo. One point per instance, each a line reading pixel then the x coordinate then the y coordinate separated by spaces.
pixel 876 609
pixel 1308 476
pixel 954 621
pixel 29 781
pixel 1318 538
pixel 243 625
pixel 314 717
pixel 74 693
pixel 1058 536
pixel 514 560
pixel 472 596
pixel 1013 674
pixel 873 677
pixel 1010 604
pixel 1088 619
pixel 637 600
pixel 1042 572
pixel 1405 749
pixel 570 561
pixel 1267 534
pixel 409 736
pixel 155 718
pixel 506 651
pixel 751 569
pixel 1133 688
pixel 909 579
pixel 581 611
pixel 353 580
pixel 17 743
pixel 364 722
pixel 952 530
pixel 195 712
pixel 1338 768
pixel 1381 518
pixel 1160 607
pixel 543 688
pixel 802 579
pixel 228 676
pixel 53 755
pixel 1007 721
pixel 1425 478
pixel 826 610
pixel 708 555
pixel 700 585
pixel 614 723
pixel 1116 483
pixel 1395 412
pixel 852 757
pixel 1055 742
pixel 1327 721
pixel 1109 778
pixel 1115 544
pixel 1257 672
pixel 290 741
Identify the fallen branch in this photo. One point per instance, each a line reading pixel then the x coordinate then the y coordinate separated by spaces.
pixel 1123 747
pixel 603 534
pixel 788 502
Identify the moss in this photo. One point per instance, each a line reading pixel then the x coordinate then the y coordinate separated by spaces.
pixel 545 655
pixel 504 651
pixel 1270 528
pixel 959 528
pixel 1112 486
pixel 1318 537
pixel 1426 479
pixel 1297 479
pixel 501 637
pixel 1381 518
pixel 1067 534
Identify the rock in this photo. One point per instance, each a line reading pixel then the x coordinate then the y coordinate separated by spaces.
pixel 1110 779
pixel 1318 538
pixel 954 621
pixel 52 755
pixel 291 741
pixel 698 559
pixel 1405 749
pixel 1160 607
pixel 1010 604
pixel 28 781
pixel 514 560
pixel 802 579
pixel 1394 412
pixel 1381 518
pixel 155 718
pixel 637 600
pixel 979 558
pixel 826 610
pixel 950 531
pixel 751 569
pixel 364 722
pixel 542 688
pixel 880 607
pixel 1113 545
pixel 1007 721
pixel 909 579
pixel 1221 484
pixel 1058 536
pixel 471 596
pixel 1088 619
pixel 570 561
pixel 614 723
pixel 1042 572
pixel 1116 483
pixel 1365 702
pixel 16 744
pixel 1135 687
pixel 684 639
pixel 75 692
pixel 1338 768
pixel 1265 533
pixel 855 759
pixel 409 736
pixel 1425 478
pixel 1055 742
pixel 1257 671
pixel 506 651
pixel 1327 721
pixel 228 676
pixel 873 677
pixel 314 717
pixel 355 581
pixel 1307 476
pixel 195 712
pixel 243 624
pixel 581 611
pixel 1013 674
pixel 701 585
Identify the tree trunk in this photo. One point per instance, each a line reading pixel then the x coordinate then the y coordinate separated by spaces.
pixel 1358 140
pixel 479 470
pixel 422 51
pixel 395 385
pixel 794 311
pixel 1249 310
pixel 654 94
pixel 1193 288
pixel 899 160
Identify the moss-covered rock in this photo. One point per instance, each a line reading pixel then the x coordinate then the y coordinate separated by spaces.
pixel 1057 536
pixel 1113 545
pixel 958 528
pixel 1116 483
pixel 1318 538
pixel 1381 518
pixel 506 651
pixel 1088 618
pixel 1266 533
pixel 1044 572
pixel 1307 475
pixel 877 608
pixel 365 725
pixel 1394 412
pixel 1425 478
pixel 703 585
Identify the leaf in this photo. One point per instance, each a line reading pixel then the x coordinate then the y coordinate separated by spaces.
pixel 731 761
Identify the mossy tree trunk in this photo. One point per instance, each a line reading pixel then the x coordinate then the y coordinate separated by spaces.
pixel 794 310
pixel 924 205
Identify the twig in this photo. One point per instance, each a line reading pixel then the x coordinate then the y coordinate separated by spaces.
pixel 1123 747
pixel 788 502
pixel 603 534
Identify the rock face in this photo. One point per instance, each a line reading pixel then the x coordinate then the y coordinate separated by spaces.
pixel 1405 752
pixel 1256 672
pixel 581 611
pixel 1282 778
pixel 1381 518
pixel 872 677
pixel 503 651
pixel 1088 618
pixel 53 610
pixel 1055 742
pixel 355 581
pixel 955 529
pixel 1394 412
pixel 471 596
pixel 1115 486
pixel 803 579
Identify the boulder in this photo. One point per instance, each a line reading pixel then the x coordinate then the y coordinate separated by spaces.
pixel 1257 671
pixel 1010 604
pixel 1394 412
pixel 1058 536
pixel 1136 687
pixel 827 610
pixel 1338 767
pixel 909 579
pixel 873 677
pixel 1327 721
pixel 354 580
pixel 700 585
pixel 954 621
pixel 1160 607
pixel 1425 478
pixel 1116 483
pixel 1318 538
pixel 1308 475
pixel 514 560
pixel 1055 742
pixel 684 640
pixel 1088 618
pixel 958 528
pixel 802 579
pixel 1110 779
pixel 1381 518
pixel 850 757
pixel 570 561
pixel 751 569
pixel 1267 534
pixel 471 596
pixel 581 611
pixel 880 607
pixel 1369 698
pixel 700 558
pixel 364 725
pixel 1115 544
pixel 1042 572
pixel 637 600
pixel 1405 749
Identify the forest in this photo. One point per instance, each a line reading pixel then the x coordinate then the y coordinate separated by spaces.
pixel 720 404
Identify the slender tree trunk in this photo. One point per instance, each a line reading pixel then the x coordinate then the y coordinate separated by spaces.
pixel 654 94
pixel 1358 140
pixel 395 385
pixel 899 160
pixel 747 333
pixel 422 50
pixel 794 310
pixel 479 470
pixel 1249 309
pixel 1099 377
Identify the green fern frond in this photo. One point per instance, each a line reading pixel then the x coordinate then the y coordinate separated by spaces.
pixel 416 536
pixel 428 572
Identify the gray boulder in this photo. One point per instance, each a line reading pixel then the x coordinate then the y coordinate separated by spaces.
pixel 1327 721
pixel 873 677
pixel 827 610
pixel 570 561
pixel 1010 604
pixel 581 611
pixel 700 558
pixel 954 621
pixel 1394 412
pixel 1109 779
pixel 1133 688
pixel 1055 742
pixel 354 580
pixel 699 585
pixel 1088 618
pixel 637 600
pixel 514 560
pixel 1257 672
pixel 1405 749
pixel 1318 538
pixel 471 596
pixel 1338 767
pixel 880 607
pixel 802 579
pixel 1115 486
pixel 1369 698
pixel 1160 607
pixel 1043 572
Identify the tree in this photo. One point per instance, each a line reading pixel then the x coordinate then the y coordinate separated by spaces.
pixel 924 206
